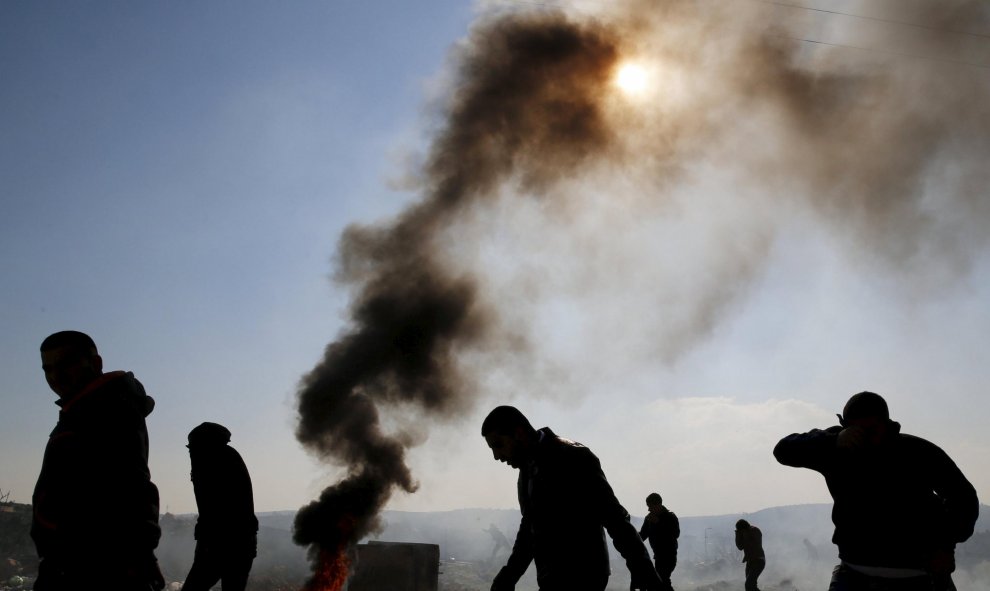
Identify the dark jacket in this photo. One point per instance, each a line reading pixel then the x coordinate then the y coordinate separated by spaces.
pixel 567 504
pixel 662 530
pixel 896 505
pixel 94 502
pixel 750 541
pixel 224 495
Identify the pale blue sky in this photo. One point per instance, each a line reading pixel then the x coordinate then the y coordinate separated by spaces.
pixel 173 180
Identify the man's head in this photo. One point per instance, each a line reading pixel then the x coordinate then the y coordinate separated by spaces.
pixel 70 362
pixel 742 525
pixel 654 502
pixel 867 412
pixel 509 435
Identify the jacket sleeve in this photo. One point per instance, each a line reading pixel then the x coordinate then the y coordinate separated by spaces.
pixel 615 519
pixel 519 559
pixel 959 500
pixel 807 450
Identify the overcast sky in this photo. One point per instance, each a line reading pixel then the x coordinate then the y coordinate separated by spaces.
pixel 174 178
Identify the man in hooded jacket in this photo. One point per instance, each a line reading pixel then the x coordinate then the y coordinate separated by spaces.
pixel 227 528
pixel 95 519
pixel 901 504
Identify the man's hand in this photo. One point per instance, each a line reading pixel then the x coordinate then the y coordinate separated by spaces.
pixel 851 438
pixel 501 583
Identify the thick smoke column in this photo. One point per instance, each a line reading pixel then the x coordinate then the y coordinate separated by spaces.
pixel 528 105
pixel 889 152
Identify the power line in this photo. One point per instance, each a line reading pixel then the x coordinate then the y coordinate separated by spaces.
pixel 878 19
pixel 560 5
pixel 890 52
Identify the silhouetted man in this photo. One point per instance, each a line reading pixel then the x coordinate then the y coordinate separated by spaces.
pixel 749 539
pixel 565 502
pixel 662 529
pixel 95 520
pixel 901 504
pixel 227 528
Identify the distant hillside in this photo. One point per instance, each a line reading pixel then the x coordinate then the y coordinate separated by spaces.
pixel 797 539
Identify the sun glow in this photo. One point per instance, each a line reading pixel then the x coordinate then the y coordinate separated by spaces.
pixel 632 79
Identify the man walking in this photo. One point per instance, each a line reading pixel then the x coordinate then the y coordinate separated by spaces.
pixel 661 529
pixel 95 517
pixel 749 539
pixel 567 505
pixel 227 528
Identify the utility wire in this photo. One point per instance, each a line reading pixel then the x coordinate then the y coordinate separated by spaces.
pixel 876 18
pixel 559 5
pixel 890 52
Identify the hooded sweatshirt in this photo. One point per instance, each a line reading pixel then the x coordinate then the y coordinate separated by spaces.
pixel 94 500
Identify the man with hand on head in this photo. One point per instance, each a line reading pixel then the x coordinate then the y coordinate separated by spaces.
pixel 567 506
pixel 901 504
pixel 661 528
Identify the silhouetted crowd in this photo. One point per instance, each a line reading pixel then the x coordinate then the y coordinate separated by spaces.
pixel 900 503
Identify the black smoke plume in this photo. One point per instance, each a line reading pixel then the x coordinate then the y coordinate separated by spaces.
pixel 888 149
pixel 528 106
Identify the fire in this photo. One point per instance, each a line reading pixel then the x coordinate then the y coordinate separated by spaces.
pixel 331 572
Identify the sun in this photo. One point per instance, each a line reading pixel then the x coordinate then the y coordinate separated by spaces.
pixel 632 79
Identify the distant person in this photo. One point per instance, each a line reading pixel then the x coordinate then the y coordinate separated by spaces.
pixel 95 521
pixel 227 528
pixel 901 504
pixel 499 538
pixel 662 529
pixel 812 552
pixel 567 505
pixel 749 539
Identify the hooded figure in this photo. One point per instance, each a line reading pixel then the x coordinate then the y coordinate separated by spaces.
pixel 95 506
pixel 749 539
pixel 227 529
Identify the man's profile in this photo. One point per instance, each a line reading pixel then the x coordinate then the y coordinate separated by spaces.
pixel 95 506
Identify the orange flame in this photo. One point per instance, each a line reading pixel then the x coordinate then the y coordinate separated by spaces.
pixel 331 572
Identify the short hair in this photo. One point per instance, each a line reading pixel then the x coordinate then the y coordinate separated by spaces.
pixel 865 405
pixel 504 420
pixel 78 341
pixel 654 498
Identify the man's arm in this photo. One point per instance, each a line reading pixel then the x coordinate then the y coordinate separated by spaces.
pixel 961 505
pixel 519 559
pixel 807 450
pixel 615 519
